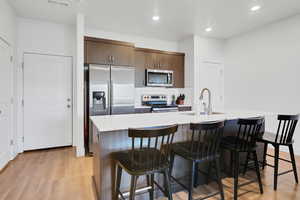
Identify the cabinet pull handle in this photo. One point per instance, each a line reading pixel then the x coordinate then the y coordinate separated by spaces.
pixel 112 59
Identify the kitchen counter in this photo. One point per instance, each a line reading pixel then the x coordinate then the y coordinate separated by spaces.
pixel 110 134
pixel 123 122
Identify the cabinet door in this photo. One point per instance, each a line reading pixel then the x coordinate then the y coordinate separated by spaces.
pixel 140 68
pixel 97 53
pixel 122 55
pixel 150 60
pixel 163 61
pixel 177 65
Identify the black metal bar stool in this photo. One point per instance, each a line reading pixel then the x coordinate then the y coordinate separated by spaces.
pixel 149 156
pixel 283 137
pixel 245 141
pixel 203 147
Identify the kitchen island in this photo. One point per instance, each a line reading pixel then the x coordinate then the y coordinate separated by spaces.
pixel 110 135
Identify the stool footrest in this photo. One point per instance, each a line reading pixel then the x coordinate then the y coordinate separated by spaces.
pixel 279 158
pixel 267 164
pixel 185 187
pixel 137 191
pixel 282 173
pixel 247 183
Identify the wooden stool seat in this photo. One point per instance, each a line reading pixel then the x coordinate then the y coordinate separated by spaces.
pixel 229 142
pixel 271 139
pixel 142 161
pixel 148 155
pixel 189 151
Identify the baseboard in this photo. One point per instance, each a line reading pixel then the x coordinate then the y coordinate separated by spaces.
pixel 8 164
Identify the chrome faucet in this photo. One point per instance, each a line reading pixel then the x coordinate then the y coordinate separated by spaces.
pixel 208 108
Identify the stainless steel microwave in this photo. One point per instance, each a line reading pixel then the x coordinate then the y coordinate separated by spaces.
pixel 159 78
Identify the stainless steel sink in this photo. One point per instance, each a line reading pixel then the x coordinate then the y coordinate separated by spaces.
pixel 202 113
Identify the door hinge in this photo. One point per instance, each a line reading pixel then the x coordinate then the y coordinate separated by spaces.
pixel 22 66
pixel 23 102
pixel 11 58
pixel 11 142
pixel 23 139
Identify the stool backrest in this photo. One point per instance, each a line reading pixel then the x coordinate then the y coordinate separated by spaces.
pixel 286 128
pixel 248 133
pixel 206 137
pixel 160 137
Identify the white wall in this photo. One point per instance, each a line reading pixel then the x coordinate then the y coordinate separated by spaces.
pixel 40 37
pixel 262 71
pixel 139 41
pixel 8 34
pixel 78 90
pixel 7 22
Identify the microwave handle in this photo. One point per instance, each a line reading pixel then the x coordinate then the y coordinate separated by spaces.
pixel 170 78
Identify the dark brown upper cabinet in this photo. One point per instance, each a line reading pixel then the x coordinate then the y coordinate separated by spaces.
pixel 100 51
pixel 155 59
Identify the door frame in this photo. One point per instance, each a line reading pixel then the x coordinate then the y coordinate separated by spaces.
pixel 222 74
pixel 12 105
pixel 72 94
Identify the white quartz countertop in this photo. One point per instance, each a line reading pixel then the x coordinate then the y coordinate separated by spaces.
pixel 123 122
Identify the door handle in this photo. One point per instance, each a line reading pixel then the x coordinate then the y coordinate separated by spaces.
pixel 68 99
pixel 68 106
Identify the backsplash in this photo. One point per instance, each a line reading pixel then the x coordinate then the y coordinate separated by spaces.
pixel 163 91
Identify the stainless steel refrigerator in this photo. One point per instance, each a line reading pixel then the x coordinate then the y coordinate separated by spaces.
pixel 109 90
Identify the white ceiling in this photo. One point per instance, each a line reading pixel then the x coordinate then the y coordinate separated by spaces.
pixel 178 18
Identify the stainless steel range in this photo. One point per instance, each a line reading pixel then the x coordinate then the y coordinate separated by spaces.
pixel 158 103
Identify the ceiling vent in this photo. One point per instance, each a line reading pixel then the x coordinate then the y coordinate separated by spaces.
pixel 61 2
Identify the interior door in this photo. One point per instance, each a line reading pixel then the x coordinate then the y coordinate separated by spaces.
pixel 5 104
pixel 213 79
pixel 47 101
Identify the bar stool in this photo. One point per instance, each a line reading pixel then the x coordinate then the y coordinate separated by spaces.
pixel 283 137
pixel 203 147
pixel 245 141
pixel 150 156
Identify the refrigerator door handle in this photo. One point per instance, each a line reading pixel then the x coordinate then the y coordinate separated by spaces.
pixel 109 98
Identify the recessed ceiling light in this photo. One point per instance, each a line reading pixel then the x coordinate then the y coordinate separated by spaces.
pixel 255 8
pixel 155 18
pixel 61 2
pixel 208 29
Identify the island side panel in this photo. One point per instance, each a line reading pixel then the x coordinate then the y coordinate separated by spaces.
pixel 96 162
pixel 104 166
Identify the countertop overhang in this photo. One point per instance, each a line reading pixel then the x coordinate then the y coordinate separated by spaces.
pixel 109 123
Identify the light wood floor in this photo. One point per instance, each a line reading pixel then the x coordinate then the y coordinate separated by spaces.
pixel 58 175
